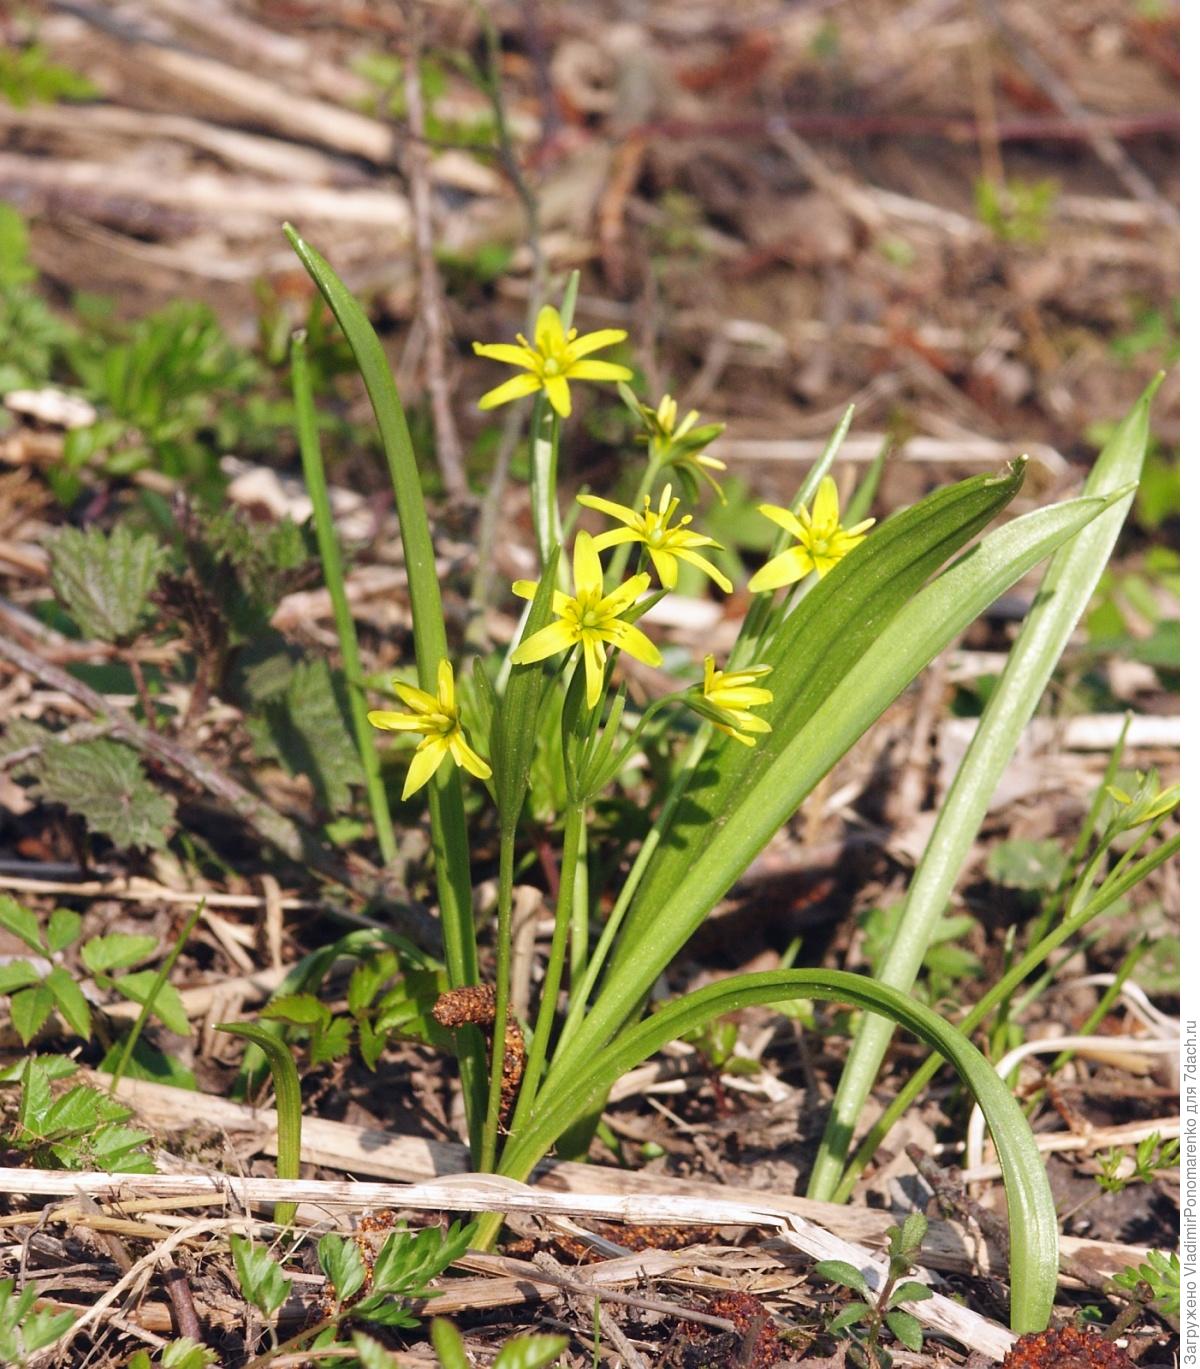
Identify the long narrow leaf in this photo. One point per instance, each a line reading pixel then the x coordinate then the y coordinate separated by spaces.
pixel 1064 594
pixel 1033 1222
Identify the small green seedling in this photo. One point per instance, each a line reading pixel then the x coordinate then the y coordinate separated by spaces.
pixel 24 1328
pixel 864 1321
pixel 183 1353
pixel 1152 1156
pixel 1155 1282
pixel 518 1352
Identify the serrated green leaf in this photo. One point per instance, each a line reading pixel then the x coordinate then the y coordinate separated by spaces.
pixel 21 923
pixel 16 975
pixel 62 929
pixel 118 1149
pixel 168 1005
pixel 68 998
pixel 80 1110
pixel 186 1353
pixel 308 731
pixel 906 1328
pixel 844 1273
pixel 850 1315
pixel 104 580
pixel 103 781
pixel 117 951
pixel 529 1352
pixel 341 1264
pixel 368 977
pixel 333 1042
pixel 259 1275
pixel 29 1010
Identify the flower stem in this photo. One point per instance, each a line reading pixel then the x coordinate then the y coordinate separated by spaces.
pixel 491 1125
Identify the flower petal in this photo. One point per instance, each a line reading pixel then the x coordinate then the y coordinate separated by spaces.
pixel 592 342
pixel 695 559
pixel 524 589
pixel 614 510
pixel 429 755
pixel 783 518
pixel 620 599
pixel 825 506
pixel 598 370
pixel 415 698
pixel 388 721
pixel 445 674
pixel 548 642
pixel 516 388
pixel 559 394
pixel 548 335
pixel 593 665
pixel 508 353
pixel 634 640
pixel 616 537
pixel 785 569
pixel 464 756
pixel 586 566
pixel 664 563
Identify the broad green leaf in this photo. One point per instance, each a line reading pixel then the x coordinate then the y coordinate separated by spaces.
pixel 741 823
pixel 103 781
pixel 906 1328
pixel 529 1352
pixel 81 1110
pixel 341 1264
pixel 368 977
pixel 331 1042
pixel 118 1150
pixel 70 1002
pixel 149 1063
pixel 62 929
pixel 408 1260
pixel 185 1353
pixel 907 1240
pixel 448 1344
pixel 104 579
pixel 911 1291
pixel 168 1005
pixel 21 923
pixel 841 1271
pixel 303 1009
pixel 850 1315
pixel 16 975
pixel 29 1010
pixel 259 1276
pixel 1033 1221
pixel 117 951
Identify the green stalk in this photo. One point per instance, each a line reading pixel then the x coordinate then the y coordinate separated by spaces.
pixel 572 831
pixel 997 994
pixel 451 852
pixel 579 907
pixel 331 566
pixel 152 997
pixel 1065 592
pixel 287 1104
pixel 491 1125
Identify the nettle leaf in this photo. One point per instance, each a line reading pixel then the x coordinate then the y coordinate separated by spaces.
pixel 259 1276
pixel 117 951
pixel 105 784
pixel 529 1352
pixel 21 923
pixel 63 929
pixel 104 579
pixel 307 729
pixel 1034 865
pixel 341 1264
pixel 168 1005
pixel 844 1273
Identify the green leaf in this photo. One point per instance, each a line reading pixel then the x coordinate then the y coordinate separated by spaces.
pixel 850 1315
pixel 844 1273
pixel 331 1042
pixel 409 1260
pixel 1033 1222
pixel 1024 864
pixel 186 1353
pixel 307 729
pixel 71 1004
pixel 168 1005
pixel 149 1063
pixel 259 1276
pixel 104 580
pixel 341 1264
pixel 448 1344
pixel 371 1353
pixel 911 1291
pixel 907 1240
pixel 62 929
pixel 117 951
pixel 103 781
pixel 118 1150
pixel 906 1328
pixel 17 974
pixel 529 1352
pixel 302 1009
pixel 29 1010
pixel 368 977
pixel 21 923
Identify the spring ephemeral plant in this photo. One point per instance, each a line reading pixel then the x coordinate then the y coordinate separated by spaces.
pixel 863 612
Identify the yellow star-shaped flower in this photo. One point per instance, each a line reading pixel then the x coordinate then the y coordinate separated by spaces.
pixel 822 539
pixel 438 720
pixel 556 357
pixel 590 620
pixel 730 695
pixel 652 527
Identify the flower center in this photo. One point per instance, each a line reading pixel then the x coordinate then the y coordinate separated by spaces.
pixel 551 367
pixel 820 546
